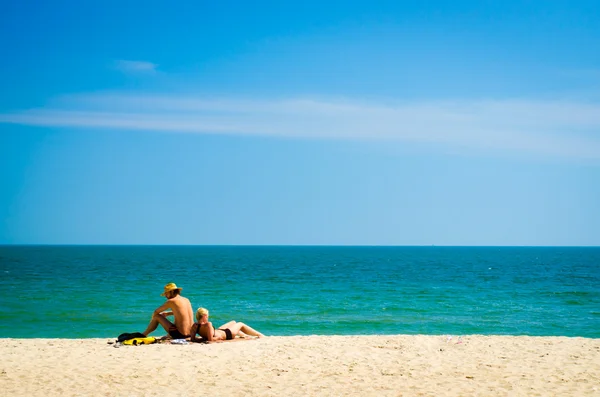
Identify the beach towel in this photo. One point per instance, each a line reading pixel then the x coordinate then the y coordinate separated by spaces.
pixel 126 336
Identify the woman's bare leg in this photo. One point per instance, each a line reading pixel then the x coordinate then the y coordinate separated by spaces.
pixel 227 325
pixel 246 329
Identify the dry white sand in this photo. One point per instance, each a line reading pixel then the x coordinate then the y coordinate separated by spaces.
pixel 306 366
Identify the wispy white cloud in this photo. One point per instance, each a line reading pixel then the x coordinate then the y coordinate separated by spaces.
pixel 135 66
pixel 557 128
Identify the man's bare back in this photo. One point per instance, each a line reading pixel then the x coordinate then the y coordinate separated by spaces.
pixel 182 310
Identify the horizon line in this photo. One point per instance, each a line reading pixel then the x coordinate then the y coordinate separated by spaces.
pixel 294 245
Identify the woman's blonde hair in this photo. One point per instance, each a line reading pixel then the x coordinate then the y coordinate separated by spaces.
pixel 201 312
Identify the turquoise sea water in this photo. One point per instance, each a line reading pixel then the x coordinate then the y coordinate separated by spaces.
pixel 102 291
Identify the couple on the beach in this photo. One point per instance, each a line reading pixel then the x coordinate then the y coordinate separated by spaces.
pixel 184 326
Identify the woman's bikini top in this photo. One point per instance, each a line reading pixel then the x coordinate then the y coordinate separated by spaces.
pixel 198 330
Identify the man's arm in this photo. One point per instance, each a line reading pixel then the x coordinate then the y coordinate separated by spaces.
pixel 163 307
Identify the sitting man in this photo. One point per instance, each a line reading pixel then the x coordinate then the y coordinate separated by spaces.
pixel 180 307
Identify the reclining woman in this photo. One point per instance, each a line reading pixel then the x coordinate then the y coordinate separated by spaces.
pixel 227 331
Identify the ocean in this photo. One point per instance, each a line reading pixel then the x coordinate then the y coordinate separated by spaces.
pixel 103 291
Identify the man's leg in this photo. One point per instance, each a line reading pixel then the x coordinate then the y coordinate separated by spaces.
pixel 158 319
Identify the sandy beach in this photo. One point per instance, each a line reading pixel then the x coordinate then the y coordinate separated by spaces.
pixel 306 365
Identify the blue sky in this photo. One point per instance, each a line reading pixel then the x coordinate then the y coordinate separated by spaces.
pixel 379 123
